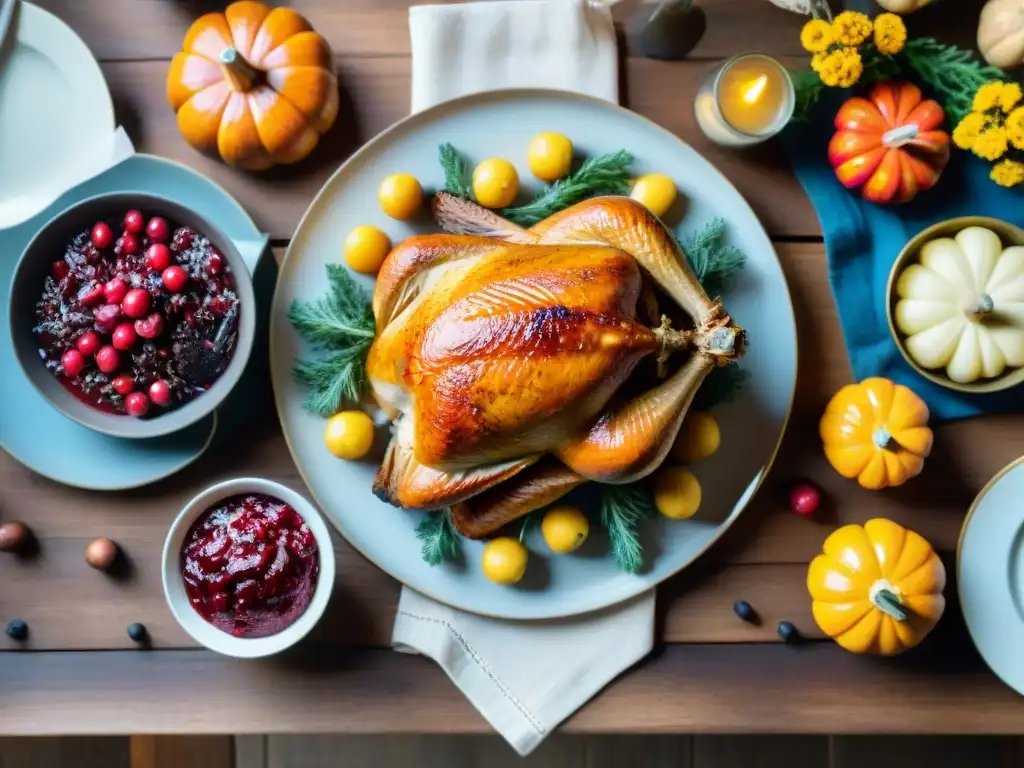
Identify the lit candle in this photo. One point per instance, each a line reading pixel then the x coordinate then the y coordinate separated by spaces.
pixel 745 100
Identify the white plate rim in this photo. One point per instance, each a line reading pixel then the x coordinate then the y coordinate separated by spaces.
pixel 427 115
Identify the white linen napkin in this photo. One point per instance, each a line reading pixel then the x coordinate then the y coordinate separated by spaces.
pixel 524 677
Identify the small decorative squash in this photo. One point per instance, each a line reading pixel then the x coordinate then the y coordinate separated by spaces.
pixel 1001 33
pixel 962 307
pixel 876 431
pixel 903 7
pixel 877 588
pixel 889 144
pixel 253 84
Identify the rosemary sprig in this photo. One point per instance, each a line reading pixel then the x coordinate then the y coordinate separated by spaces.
pixel 622 508
pixel 441 542
pixel 602 175
pixel 714 261
pixel 456 172
pixel 953 73
pixel 340 323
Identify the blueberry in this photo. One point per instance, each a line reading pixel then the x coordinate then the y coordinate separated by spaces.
pixel 137 632
pixel 743 609
pixel 788 632
pixel 17 629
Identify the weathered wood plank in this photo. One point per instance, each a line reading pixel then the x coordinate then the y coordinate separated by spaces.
pixel 760 752
pixel 64 752
pixel 180 751
pixel 933 751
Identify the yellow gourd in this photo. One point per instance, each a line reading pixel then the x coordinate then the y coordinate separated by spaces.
pixel 1001 33
pixel 877 588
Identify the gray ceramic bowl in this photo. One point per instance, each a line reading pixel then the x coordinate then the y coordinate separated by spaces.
pixel 33 268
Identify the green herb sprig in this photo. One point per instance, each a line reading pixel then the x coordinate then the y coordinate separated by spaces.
pixel 623 507
pixel 456 172
pixel 341 323
pixel 441 542
pixel 712 259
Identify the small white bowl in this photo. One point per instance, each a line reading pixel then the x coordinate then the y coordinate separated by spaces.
pixel 174 587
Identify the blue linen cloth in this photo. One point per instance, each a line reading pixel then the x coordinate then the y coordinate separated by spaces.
pixel 863 239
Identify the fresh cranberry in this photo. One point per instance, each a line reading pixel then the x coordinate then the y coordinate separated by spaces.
pixel 158 230
pixel 107 359
pixel 124 337
pixel 73 362
pixel 134 221
pixel 91 294
pixel 158 257
pixel 190 319
pixel 160 392
pixel 150 326
pixel 105 318
pixel 60 269
pixel 215 264
pixel 218 306
pixel 804 498
pixel 182 239
pixel 123 385
pixel 127 244
pixel 174 278
pixel 136 302
pixel 115 290
pixel 88 343
pixel 102 236
pixel 136 403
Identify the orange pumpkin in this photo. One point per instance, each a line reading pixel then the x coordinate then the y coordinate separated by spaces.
pixel 255 84
pixel 889 144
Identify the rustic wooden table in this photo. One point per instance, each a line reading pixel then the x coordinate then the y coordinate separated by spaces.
pixel 79 672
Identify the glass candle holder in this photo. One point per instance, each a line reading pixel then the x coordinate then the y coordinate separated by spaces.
pixel 745 100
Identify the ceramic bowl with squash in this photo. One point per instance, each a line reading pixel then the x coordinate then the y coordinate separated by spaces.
pixel 958 319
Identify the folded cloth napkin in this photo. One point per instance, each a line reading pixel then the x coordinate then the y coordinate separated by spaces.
pixel 863 239
pixel 523 677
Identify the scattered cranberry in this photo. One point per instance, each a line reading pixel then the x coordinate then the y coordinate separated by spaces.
pixel 107 359
pixel 136 302
pixel 158 257
pixel 158 229
pixel 215 264
pixel 91 295
pixel 88 343
pixel 73 362
pixel 134 221
pixel 13 536
pixel 136 403
pixel 102 236
pixel 115 290
pixel 101 553
pixel 105 318
pixel 124 337
pixel 160 392
pixel 123 385
pixel 150 326
pixel 182 239
pixel 804 498
pixel 174 278
pixel 60 269
pixel 127 244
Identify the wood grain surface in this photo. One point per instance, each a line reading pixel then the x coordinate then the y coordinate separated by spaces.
pixel 83 675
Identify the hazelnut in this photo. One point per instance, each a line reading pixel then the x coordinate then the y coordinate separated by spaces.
pixel 101 553
pixel 13 536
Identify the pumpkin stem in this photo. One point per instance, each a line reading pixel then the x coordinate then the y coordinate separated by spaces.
pixel 884 597
pixel 881 438
pixel 982 306
pixel 237 70
pixel 900 135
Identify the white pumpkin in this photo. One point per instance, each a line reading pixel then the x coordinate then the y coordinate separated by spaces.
pixel 1001 33
pixel 903 7
pixel 962 307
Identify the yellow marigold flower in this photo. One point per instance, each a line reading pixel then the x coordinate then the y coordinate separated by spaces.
pixel 850 68
pixel 816 36
pixel 966 132
pixel 851 28
pixel 1009 95
pixel 991 143
pixel 987 96
pixel 1015 127
pixel 890 33
pixel 818 61
pixel 830 67
pixel 1008 173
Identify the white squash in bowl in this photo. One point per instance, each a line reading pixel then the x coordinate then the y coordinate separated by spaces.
pixel 962 307
pixel 1001 33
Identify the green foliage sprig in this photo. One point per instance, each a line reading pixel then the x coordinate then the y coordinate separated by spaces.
pixel 623 507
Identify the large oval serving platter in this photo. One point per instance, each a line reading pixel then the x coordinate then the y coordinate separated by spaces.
pixel 501 124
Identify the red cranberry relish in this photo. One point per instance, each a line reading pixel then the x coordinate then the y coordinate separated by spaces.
pixel 136 309
pixel 250 565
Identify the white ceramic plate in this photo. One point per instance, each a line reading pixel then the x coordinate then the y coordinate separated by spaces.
pixel 990 573
pixel 56 116
pixel 501 124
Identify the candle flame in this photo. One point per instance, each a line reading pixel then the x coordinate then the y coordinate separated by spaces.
pixel 755 90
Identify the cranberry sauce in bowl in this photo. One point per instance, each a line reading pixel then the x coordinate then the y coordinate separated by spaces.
pixel 250 565
pixel 132 314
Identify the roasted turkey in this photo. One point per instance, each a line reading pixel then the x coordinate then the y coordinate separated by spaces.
pixel 500 350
